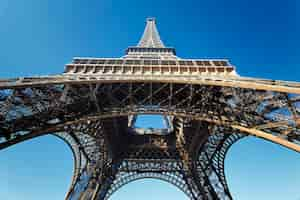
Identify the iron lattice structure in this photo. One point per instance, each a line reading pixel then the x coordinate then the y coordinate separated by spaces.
pixel 93 105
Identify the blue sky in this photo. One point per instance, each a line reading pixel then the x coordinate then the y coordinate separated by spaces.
pixel 261 38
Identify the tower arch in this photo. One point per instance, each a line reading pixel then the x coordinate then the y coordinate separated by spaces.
pixel 208 105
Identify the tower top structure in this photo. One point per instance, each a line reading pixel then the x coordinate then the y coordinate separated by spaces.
pixel 150 44
pixel 150 57
pixel 151 38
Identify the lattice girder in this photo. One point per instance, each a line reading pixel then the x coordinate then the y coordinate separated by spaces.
pixel 32 110
pixel 28 112
pixel 91 106
pixel 72 109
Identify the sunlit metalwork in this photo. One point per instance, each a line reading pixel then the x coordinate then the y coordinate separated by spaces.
pixel 93 104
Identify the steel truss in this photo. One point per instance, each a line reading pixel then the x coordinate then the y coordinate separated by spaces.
pixel 92 107
pixel 93 118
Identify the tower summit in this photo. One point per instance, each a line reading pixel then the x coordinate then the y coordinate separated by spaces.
pixel 150 58
pixel 151 38
pixel 150 44
pixel 92 106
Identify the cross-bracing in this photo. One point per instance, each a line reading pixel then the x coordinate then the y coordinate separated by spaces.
pixel 93 106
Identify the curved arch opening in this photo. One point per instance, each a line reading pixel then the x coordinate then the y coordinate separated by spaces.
pixel 259 169
pixel 148 189
pixel 39 167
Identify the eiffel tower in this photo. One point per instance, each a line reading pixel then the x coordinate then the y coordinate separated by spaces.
pixel 94 104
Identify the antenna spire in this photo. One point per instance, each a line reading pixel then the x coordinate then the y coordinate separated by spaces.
pixel 151 38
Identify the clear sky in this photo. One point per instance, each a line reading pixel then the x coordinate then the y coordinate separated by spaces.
pixel 261 38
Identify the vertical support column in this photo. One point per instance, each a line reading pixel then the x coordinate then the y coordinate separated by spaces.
pixel 170 95
pixel 191 178
pixel 95 177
